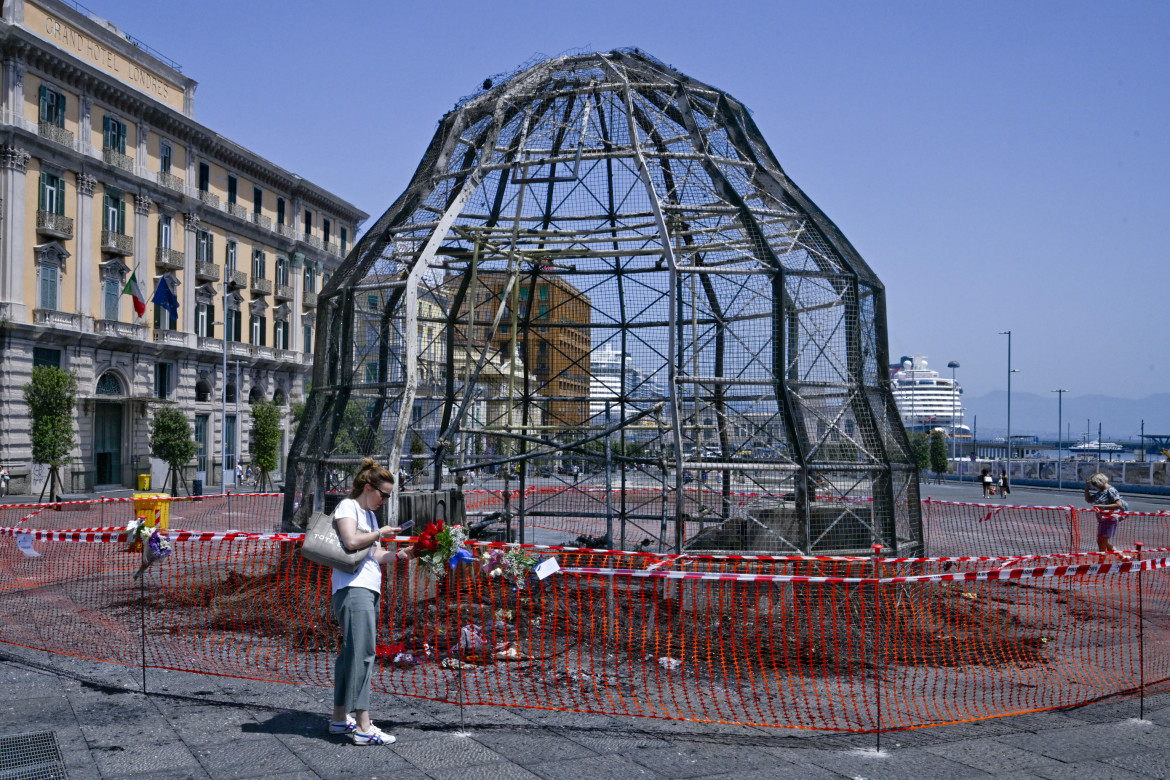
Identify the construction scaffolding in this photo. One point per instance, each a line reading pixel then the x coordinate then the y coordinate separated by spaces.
pixel 601 279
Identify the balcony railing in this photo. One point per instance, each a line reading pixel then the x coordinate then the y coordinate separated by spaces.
pixel 313 241
pixel 117 243
pixel 122 330
pixel 283 292
pixel 261 286
pixel 57 319
pixel 332 249
pixel 235 278
pixel 267 353
pixel 116 158
pixel 209 198
pixel 211 344
pixel 56 225
pixel 170 259
pixel 239 348
pixel 288 356
pixel 287 231
pixel 58 135
pixel 176 338
pixel 170 181
pixel 236 210
pixel 310 300
pixel 207 272
pixel 262 221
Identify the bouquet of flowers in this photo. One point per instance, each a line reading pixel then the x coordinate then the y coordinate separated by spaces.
pixel 513 564
pixel 440 546
pixel 147 540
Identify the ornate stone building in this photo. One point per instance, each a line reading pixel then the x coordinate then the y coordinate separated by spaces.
pixel 105 173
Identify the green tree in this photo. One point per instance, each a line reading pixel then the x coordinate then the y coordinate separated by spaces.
pixel 265 440
pixel 920 448
pixel 939 463
pixel 51 395
pixel 171 441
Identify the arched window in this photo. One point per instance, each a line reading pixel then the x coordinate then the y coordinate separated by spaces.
pixel 109 384
pixel 202 390
pixel 231 393
pixel 255 395
pixel 278 397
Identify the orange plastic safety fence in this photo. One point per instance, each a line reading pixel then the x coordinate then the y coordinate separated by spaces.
pixel 821 643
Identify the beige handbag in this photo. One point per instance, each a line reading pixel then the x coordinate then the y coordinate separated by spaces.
pixel 323 545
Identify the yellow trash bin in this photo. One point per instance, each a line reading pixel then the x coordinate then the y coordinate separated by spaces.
pixel 154 506
pixel 144 482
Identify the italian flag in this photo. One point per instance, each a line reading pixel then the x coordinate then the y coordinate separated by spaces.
pixel 134 291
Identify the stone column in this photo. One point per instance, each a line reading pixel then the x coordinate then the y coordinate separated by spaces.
pixel 190 224
pixel 85 126
pixel 86 260
pixel 13 92
pixel 296 338
pixel 13 164
pixel 192 182
pixel 140 163
pixel 142 204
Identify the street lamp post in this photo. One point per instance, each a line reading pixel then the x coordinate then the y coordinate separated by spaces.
pixel 1060 391
pixel 1010 371
pixel 954 364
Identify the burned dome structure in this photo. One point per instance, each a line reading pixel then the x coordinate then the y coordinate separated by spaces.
pixel 601 301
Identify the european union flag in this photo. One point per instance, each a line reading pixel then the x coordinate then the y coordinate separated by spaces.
pixel 164 296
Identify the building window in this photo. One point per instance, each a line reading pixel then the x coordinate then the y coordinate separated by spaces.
pixel 344 240
pixel 48 279
pixel 114 213
pixel 165 227
pixel 308 222
pixel 257 199
pixel 233 186
pixel 108 384
pixel 164 156
pixel 307 336
pixel 371 335
pixel 163 379
pixel 258 263
pixel 111 296
pixel 232 319
pixel 281 270
pixel 204 177
pixel 44 356
pixel 52 193
pixel 114 134
pixel 230 256
pixel 280 334
pixel 326 230
pixel 204 246
pixel 372 302
pixel 523 293
pixel 163 319
pixel 543 292
pixel 310 278
pixel 372 372
pixel 52 106
pixel 280 211
pixel 256 337
pixel 204 320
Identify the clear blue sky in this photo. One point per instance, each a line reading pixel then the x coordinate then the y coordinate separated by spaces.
pixel 1001 165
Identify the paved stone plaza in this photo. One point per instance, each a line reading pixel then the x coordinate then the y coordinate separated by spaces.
pixel 201 726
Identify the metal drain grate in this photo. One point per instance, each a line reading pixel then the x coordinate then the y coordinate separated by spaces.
pixel 35 756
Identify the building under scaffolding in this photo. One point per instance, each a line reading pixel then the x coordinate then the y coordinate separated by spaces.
pixel 607 203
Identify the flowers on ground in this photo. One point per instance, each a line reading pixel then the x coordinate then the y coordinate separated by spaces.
pixel 440 546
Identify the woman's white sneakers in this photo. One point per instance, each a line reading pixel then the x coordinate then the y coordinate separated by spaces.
pixel 374 737
pixel 347 726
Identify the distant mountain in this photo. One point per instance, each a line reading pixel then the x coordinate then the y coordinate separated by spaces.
pixel 1120 418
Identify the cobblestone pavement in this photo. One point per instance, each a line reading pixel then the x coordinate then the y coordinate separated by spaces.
pixel 202 726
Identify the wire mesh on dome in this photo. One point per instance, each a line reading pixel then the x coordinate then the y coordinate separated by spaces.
pixel 603 307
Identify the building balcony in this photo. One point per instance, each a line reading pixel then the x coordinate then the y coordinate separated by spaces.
pixel 209 199
pixel 310 300
pixel 174 338
pixel 118 160
pixel 55 225
pixel 170 181
pixel 206 272
pixel 283 292
pixel 58 135
pixel 263 353
pixel 288 356
pixel 313 241
pixel 239 349
pixel 261 286
pixel 262 221
pixel 235 278
pixel 115 243
pixel 170 259
pixel 287 231
pixel 210 344
pixel 57 319
pixel 120 330
pixel 237 211
pixel 332 249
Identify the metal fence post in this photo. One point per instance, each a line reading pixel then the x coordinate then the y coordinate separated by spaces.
pixel 1141 640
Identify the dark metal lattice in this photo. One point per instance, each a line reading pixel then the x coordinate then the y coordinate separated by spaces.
pixel 600 265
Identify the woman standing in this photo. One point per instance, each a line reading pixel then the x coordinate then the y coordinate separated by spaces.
pixel 985 478
pixel 355 603
pixel 1107 502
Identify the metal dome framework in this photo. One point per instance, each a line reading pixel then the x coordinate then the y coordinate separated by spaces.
pixel 608 206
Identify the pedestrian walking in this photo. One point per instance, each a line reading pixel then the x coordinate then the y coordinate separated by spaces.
pixel 1108 504
pixel 985 478
pixel 1005 487
pixel 4 477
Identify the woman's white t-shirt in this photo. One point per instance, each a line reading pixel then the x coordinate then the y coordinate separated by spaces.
pixel 369 576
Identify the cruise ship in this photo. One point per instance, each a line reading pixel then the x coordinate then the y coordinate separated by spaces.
pixel 927 400
pixel 605 383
